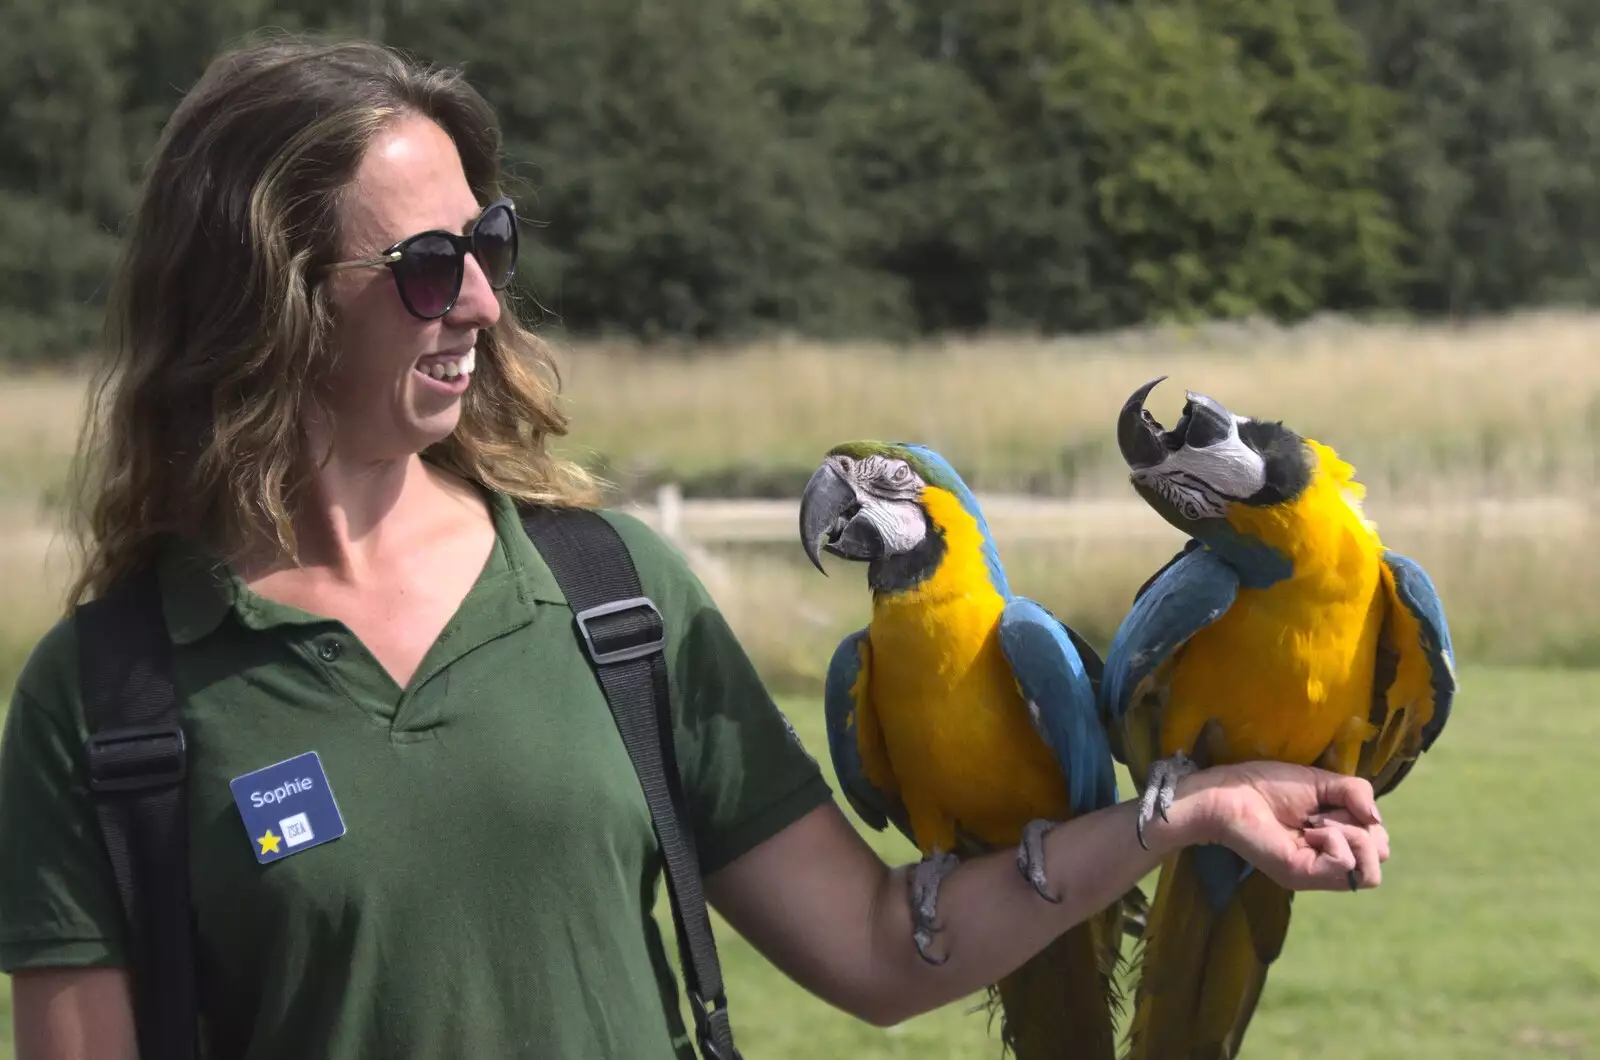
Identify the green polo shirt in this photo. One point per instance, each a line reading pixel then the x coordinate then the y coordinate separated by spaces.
pixel 492 893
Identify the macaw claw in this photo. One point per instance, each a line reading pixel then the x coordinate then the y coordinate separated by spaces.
pixel 1030 858
pixel 1158 793
pixel 925 880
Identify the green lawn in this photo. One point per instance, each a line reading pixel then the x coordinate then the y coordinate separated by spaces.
pixel 1481 943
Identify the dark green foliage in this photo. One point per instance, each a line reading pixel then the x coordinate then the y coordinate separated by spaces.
pixel 1235 155
pixel 1497 152
pixel 713 169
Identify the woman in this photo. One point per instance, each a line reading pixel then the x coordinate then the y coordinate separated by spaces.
pixel 317 443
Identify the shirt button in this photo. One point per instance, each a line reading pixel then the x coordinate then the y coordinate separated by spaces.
pixel 329 650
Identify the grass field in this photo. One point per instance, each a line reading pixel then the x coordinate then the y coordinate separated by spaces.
pixel 1481 449
pixel 1480 945
pixel 1488 436
pixel 1506 408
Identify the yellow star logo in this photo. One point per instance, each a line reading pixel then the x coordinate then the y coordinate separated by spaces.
pixel 269 843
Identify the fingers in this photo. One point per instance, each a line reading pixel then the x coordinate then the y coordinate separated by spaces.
pixel 1379 833
pixel 1347 856
pixel 1334 858
pixel 1354 794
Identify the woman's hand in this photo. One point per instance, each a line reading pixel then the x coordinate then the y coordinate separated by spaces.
pixel 1307 829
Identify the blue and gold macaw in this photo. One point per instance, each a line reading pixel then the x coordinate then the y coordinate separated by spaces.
pixel 966 716
pixel 1284 630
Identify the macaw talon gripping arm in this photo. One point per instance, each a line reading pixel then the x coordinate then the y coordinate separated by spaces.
pixel 1158 793
pixel 1030 858
pixel 925 880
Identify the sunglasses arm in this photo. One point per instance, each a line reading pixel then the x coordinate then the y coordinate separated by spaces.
pixel 365 263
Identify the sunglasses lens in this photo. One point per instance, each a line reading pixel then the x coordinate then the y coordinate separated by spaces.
pixel 429 273
pixel 494 242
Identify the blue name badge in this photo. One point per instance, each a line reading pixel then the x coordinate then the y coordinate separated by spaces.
pixel 287 807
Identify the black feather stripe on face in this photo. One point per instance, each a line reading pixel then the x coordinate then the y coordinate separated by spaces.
pixel 905 571
pixel 1287 460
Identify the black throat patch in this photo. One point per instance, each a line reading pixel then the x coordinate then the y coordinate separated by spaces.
pixel 1288 462
pixel 907 570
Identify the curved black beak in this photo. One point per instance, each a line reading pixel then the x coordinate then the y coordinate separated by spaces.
pixel 1139 436
pixel 824 506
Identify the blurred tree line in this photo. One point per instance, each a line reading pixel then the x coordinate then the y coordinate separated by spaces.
pixel 716 168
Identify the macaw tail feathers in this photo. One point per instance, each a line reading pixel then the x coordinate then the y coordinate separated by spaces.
pixel 1064 1002
pixel 1203 960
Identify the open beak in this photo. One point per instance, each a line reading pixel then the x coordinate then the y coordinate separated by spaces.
pixel 826 506
pixel 1139 435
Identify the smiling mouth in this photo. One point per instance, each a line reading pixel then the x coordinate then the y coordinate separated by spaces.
pixel 445 367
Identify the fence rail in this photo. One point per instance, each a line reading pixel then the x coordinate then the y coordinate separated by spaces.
pixel 712 522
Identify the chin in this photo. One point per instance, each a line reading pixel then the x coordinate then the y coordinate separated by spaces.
pixel 432 415
pixel 431 430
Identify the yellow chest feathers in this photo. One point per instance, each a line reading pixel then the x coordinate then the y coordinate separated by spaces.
pixel 1288 671
pixel 957 734
pixel 939 638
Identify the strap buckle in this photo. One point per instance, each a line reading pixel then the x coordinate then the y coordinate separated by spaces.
pixel 135 757
pixel 707 1018
pixel 621 641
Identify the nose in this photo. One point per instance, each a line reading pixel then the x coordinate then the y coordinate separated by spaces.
pixel 477 306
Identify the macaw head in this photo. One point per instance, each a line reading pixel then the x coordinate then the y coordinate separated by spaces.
pixel 1215 475
pixel 893 506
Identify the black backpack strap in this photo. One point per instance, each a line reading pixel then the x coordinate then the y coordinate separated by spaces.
pixel 624 636
pixel 136 769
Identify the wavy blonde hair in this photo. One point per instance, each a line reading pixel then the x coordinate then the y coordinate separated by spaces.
pixel 217 333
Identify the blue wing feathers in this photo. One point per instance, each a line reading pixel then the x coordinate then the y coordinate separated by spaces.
pixel 1055 677
pixel 1417 592
pixel 1193 591
pixel 839 710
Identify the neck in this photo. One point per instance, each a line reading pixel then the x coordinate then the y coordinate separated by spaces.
pixel 955 561
pixel 1324 534
pixel 356 519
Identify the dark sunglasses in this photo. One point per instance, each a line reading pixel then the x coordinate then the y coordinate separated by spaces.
pixel 428 267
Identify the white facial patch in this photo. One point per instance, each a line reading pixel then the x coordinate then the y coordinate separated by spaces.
pixel 1200 482
pixel 899 524
pixel 887 490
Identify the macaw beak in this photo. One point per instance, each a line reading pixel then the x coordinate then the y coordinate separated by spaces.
pixel 831 519
pixel 1139 435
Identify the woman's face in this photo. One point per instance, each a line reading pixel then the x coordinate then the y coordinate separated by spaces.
pixel 384 392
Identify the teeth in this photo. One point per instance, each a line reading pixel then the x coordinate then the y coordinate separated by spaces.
pixel 442 370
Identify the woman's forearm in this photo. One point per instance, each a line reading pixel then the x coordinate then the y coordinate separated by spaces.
pixel 991 918
pixel 823 906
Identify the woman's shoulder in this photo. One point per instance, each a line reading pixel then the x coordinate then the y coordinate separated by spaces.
pixel 665 570
pixel 648 545
pixel 48 676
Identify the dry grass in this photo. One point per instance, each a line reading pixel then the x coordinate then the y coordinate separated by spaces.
pixel 1510 407
pixel 39 418
pixel 1515 595
pixel 1480 446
